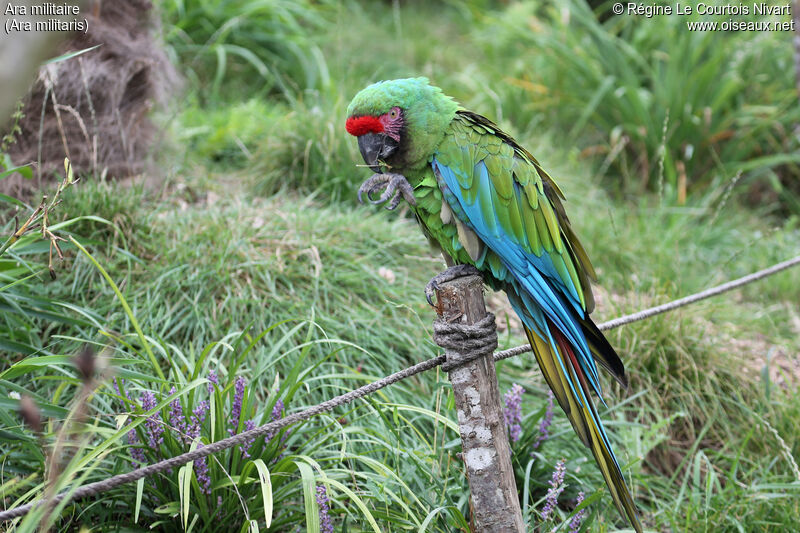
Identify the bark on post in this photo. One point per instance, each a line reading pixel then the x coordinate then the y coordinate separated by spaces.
pixel 484 440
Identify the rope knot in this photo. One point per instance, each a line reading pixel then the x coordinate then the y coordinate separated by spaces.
pixel 463 343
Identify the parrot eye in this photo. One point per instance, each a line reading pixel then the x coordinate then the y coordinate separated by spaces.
pixel 394 113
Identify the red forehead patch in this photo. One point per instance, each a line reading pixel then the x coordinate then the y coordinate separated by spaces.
pixel 360 125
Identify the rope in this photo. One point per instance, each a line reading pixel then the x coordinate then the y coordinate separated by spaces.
pixel 101 486
pixel 708 293
pixel 465 342
pixel 669 306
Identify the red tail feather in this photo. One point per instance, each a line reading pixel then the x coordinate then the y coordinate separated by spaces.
pixel 563 344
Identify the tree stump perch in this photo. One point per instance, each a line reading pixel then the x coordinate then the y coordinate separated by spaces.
pixel 484 439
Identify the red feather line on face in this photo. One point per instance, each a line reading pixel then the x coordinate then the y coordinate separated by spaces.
pixel 357 126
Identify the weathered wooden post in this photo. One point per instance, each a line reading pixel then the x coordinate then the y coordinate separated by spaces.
pixel 484 440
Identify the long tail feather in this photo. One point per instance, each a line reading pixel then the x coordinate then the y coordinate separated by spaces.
pixel 602 351
pixel 573 394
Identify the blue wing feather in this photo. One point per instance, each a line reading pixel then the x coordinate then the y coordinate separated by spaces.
pixel 536 275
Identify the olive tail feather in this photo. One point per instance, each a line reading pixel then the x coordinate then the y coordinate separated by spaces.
pixel 573 394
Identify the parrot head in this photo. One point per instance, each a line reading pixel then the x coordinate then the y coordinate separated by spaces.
pixel 399 123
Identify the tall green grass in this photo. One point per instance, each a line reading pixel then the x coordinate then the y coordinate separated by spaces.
pixel 225 45
pixel 661 107
pixel 210 269
pixel 332 450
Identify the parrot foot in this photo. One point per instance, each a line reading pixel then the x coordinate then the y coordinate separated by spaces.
pixel 394 186
pixel 453 272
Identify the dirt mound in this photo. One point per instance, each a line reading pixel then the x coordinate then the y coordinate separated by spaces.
pixel 94 108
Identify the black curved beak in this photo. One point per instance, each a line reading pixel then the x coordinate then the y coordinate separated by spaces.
pixel 376 147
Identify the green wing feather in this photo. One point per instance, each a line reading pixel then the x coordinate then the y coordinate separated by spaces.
pixel 523 199
pixel 525 202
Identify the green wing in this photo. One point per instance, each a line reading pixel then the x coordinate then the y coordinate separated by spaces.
pixel 522 203
pixel 501 192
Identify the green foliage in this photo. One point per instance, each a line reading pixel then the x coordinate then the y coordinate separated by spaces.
pixel 307 291
pixel 372 453
pixel 301 144
pixel 300 147
pixel 214 267
pixel 658 104
pixel 30 316
pixel 228 135
pixel 308 150
pixel 261 45
pixel 535 456
pixel 10 137
pixel 200 412
pixel 309 369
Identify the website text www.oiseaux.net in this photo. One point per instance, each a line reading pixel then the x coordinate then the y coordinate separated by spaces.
pixel 717 17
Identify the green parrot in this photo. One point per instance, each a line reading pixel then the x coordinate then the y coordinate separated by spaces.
pixel 490 207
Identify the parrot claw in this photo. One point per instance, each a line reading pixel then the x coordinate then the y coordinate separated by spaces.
pixel 453 272
pixel 394 186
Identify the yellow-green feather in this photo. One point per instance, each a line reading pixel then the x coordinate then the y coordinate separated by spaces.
pixel 583 423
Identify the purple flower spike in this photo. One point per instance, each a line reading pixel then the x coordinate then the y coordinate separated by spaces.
pixel 116 388
pixel 199 413
pixel 198 417
pixel 148 400
pixel 277 410
pixel 213 379
pixel 176 419
pixel 556 487
pixel 513 411
pixel 137 454
pixel 201 472
pixel 544 425
pixel 575 523
pixel 153 423
pixel 325 522
pixel 236 410
pixel 245 446
pixel 277 414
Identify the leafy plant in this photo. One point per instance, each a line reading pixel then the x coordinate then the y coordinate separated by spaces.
pixel 226 43
pixel 661 106
pixel 238 486
pixel 23 306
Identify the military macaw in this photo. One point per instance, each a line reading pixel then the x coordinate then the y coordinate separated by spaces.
pixel 488 204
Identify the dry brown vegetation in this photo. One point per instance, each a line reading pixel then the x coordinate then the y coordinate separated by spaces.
pixel 95 108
